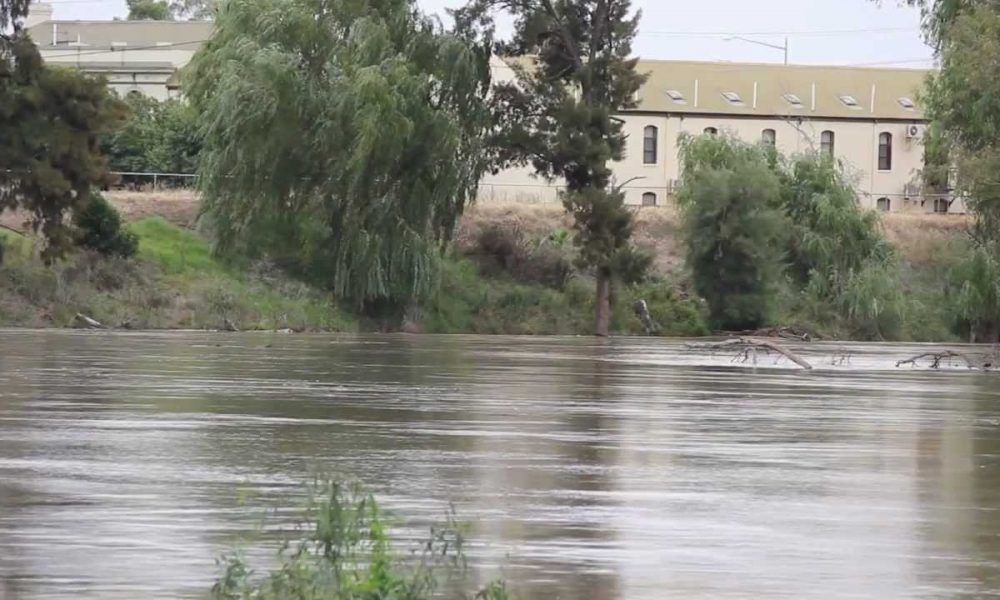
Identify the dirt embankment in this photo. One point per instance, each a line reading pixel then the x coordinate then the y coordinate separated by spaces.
pixel 656 228
pixel 917 235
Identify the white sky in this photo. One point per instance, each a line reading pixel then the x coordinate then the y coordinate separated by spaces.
pixel 819 31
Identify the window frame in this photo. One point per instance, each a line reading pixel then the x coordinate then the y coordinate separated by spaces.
pixel 888 204
pixel 711 130
pixel 769 132
pixel 884 158
pixel 653 141
pixel 648 195
pixel 828 147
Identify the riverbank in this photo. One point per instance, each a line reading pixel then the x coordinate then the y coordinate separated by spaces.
pixel 510 272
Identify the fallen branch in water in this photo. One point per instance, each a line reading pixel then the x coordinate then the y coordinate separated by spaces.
pixel 937 357
pixel 85 321
pixel 749 346
pixel 785 333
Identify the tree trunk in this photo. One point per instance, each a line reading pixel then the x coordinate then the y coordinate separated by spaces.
pixel 602 305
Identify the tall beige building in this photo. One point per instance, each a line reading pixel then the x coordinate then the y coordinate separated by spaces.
pixel 869 119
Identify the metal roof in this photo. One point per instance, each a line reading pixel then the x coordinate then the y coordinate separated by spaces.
pixel 750 89
pixel 185 35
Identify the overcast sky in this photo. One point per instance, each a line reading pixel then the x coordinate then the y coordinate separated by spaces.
pixel 846 32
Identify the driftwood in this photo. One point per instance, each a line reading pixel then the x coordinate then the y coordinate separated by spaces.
pixel 85 321
pixel 228 325
pixel 749 346
pixel 642 311
pixel 935 359
pixel 785 333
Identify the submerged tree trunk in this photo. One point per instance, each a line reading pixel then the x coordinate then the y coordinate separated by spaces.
pixel 602 304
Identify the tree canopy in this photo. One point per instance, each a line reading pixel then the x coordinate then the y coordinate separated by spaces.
pixel 356 129
pixel 149 10
pixel 51 122
pixel 575 73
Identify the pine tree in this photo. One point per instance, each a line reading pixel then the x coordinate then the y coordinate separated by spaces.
pixel 51 121
pixel 575 74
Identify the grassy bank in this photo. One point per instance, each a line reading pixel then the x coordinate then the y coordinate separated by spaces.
pixel 173 283
pixel 176 282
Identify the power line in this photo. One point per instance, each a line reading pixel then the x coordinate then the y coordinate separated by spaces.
pixel 113 49
pixel 892 62
pixel 818 32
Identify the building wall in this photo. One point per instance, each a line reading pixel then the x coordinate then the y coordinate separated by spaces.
pixel 855 145
pixel 146 71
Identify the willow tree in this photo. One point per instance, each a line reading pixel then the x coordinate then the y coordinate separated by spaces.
pixel 575 73
pixel 734 228
pixel 354 128
pixel 51 122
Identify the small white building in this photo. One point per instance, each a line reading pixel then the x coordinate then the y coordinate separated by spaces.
pixel 140 56
pixel 869 119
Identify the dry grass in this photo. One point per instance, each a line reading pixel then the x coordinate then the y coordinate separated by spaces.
pixel 919 236
pixel 655 231
pixel 179 207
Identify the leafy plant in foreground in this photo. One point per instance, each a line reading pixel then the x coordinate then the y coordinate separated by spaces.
pixel 343 551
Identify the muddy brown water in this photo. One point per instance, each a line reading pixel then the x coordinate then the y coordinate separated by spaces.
pixel 591 470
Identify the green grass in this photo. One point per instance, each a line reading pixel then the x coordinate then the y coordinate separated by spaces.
pixel 174 250
pixel 174 282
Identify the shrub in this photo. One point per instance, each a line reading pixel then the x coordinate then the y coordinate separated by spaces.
pixel 343 551
pixel 733 229
pixel 100 228
pixel 505 248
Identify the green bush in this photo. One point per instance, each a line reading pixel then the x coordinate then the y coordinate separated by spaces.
pixel 733 229
pixel 99 228
pixel 343 551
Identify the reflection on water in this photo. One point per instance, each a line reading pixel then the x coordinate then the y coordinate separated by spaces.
pixel 592 469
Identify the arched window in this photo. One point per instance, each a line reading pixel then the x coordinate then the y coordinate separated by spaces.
pixel 885 151
pixel 768 136
pixel 826 141
pixel 711 131
pixel 649 141
pixel 649 199
pixel 883 204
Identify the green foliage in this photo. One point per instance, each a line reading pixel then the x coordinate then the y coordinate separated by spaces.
pixel 342 550
pixel 830 237
pixel 962 98
pixel 358 126
pixel 157 137
pixel 977 279
pixel 149 10
pixel 559 114
pixel 50 121
pixel 99 228
pixel 733 228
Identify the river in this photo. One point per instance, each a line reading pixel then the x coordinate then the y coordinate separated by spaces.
pixel 592 470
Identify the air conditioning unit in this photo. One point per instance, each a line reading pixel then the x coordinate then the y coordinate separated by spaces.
pixel 915 131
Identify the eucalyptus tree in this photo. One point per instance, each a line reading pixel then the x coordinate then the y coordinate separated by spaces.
pixel 356 129
pixel 575 74
pixel 962 100
pixel 51 122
